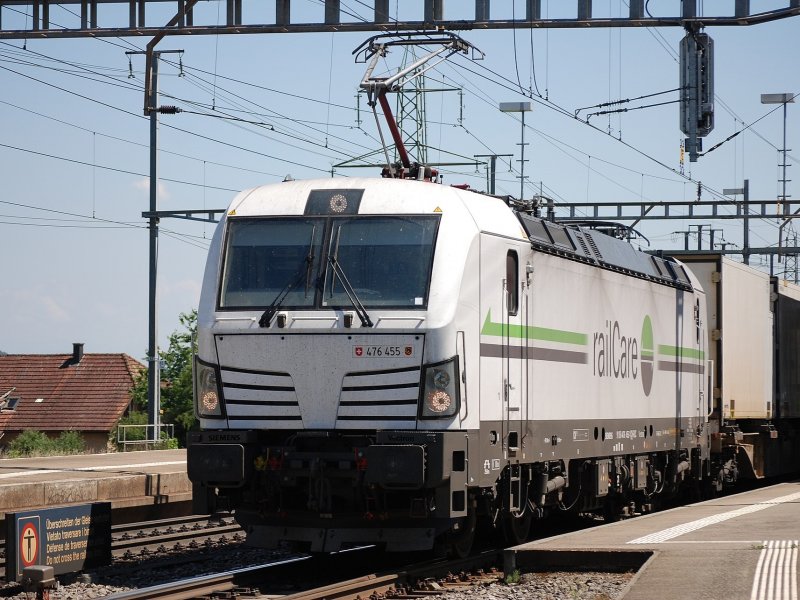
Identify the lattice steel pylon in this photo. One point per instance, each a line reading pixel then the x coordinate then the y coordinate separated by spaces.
pixel 411 112
pixel 790 272
pixel 409 91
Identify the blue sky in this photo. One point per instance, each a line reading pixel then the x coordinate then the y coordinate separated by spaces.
pixel 74 146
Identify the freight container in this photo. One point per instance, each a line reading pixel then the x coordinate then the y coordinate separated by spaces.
pixel 740 320
pixel 787 349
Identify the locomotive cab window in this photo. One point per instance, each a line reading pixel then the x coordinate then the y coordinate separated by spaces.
pixel 265 258
pixel 387 260
pixel 512 281
pixel 289 261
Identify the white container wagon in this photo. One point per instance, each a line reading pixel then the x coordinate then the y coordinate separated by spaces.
pixel 754 327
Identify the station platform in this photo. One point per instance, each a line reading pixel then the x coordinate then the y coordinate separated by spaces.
pixel 137 483
pixel 739 547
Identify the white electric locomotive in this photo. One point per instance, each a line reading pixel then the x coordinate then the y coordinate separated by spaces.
pixel 388 361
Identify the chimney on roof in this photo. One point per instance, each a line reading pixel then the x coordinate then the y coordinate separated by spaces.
pixel 77 353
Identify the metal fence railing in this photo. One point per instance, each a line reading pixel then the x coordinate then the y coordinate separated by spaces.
pixel 145 437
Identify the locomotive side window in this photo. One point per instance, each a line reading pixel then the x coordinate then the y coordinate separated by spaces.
pixel 697 319
pixel 512 281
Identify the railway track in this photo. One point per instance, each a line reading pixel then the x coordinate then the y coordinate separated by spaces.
pixel 147 548
pixel 359 573
pixel 172 534
pixel 424 579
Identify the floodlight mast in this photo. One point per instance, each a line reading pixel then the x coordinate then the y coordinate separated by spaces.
pixel 376 88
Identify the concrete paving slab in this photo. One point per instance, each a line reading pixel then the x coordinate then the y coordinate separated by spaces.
pixel 743 546
pixel 127 480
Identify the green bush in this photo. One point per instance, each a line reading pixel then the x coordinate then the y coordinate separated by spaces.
pixel 70 442
pixel 30 443
pixel 36 443
pixel 168 444
pixel 513 578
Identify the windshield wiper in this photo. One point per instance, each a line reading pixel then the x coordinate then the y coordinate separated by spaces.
pixel 351 293
pixel 305 272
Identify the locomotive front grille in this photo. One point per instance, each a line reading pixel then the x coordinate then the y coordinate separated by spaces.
pixel 384 398
pixel 259 395
pixel 320 382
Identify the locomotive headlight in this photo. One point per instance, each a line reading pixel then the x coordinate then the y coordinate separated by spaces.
pixel 438 402
pixel 441 379
pixel 440 393
pixel 207 393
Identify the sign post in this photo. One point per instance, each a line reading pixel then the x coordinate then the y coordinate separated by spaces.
pixel 69 539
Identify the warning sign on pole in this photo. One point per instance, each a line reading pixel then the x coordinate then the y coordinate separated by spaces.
pixel 69 538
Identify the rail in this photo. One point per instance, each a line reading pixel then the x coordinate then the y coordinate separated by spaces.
pixel 418 577
pixel 203 585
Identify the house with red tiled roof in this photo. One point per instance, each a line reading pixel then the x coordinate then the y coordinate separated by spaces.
pixel 87 393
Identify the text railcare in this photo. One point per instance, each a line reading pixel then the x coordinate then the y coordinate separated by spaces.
pixel 615 355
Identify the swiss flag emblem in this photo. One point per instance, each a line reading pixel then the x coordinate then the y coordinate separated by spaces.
pixel 359 351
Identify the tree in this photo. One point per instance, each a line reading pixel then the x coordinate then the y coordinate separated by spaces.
pixel 177 406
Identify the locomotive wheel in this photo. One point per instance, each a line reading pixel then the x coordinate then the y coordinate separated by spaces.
pixel 450 545
pixel 459 545
pixel 516 528
pixel 612 508
pixel 462 545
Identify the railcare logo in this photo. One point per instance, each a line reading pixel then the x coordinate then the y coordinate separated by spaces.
pixel 647 355
pixel 620 356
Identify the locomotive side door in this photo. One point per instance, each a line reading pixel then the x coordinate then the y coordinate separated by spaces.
pixel 514 342
pixel 503 342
